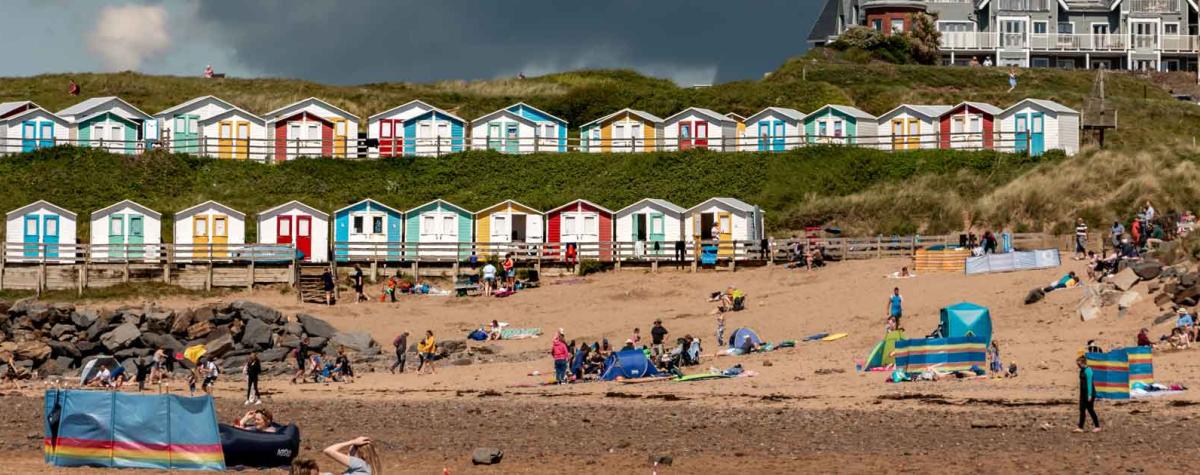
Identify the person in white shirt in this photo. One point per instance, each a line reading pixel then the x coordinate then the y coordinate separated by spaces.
pixel 210 371
pixel 489 279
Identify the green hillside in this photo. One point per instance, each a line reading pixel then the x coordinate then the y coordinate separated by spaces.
pixel 1148 114
pixel 84 180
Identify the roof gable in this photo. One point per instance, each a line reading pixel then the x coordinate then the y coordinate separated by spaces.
pixel 509 203
pixel 578 202
pixel 732 203
pixel 195 102
pixel 441 203
pixel 126 203
pixel 1043 104
pixel 7 108
pixel 930 112
pixel 294 204
pixel 87 107
pixel 235 111
pixel 646 116
pixel 850 111
pixel 42 204
pixel 210 203
pixel 714 116
pixel 547 117
pixel 664 204
pixel 791 114
pixel 980 106
pixel 35 111
pixel 504 113
pixel 371 202
pixel 425 107
pixel 299 105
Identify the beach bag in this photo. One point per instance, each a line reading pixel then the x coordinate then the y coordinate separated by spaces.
pixel 478 335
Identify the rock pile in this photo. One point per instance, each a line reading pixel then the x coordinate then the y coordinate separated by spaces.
pixel 1171 287
pixel 54 339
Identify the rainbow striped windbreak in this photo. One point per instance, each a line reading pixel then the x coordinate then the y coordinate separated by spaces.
pixel 950 354
pixel 1115 372
pixel 114 429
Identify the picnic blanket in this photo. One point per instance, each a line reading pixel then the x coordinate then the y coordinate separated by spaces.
pixel 519 333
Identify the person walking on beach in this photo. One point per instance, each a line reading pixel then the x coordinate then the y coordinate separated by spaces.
pixel 657 335
pixel 561 354
pixel 328 285
pixel 427 349
pixel 895 306
pixel 680 253
pixel 401 344
pixel 1081 236
pixel 359 295
pixel 720 329
pixel 1087 396
pixel 252 369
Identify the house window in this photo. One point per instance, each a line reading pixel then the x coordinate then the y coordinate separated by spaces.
pixel 1040 62
pixel 1039 27
pixel 1065 28
pixel 877 24
pixel 955 26
pixel 1170 29
pixel 1066 63
pixel 897 26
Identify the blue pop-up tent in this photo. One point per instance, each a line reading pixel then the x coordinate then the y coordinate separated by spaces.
pixel 628 364
pixel 739 337
pixel 967 319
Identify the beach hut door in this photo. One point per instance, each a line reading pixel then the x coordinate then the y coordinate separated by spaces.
pixel 533 228
pixel 186 137
pixel 304 236
pixel 283 226
pixel 116 236
pixel 701 134
pixel 220 235
pixel 200 236
pixel 136 234
pixel 32 238
pixel 1037 132
pixel 639 227
pixel 519 227
pixel 685 135
pixel 657 232
pixel 706 224
pixel 1022 133
pixel 512 140
pixel 50 235
pixel 225 141
pixel 28 136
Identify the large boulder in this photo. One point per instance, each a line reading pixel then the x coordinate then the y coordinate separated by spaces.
pixel 452 346
pixel 353 341
pixel 203 313
pixel 32 350
pixel 314 326
pixel 134 315
pixel 223 318
pixel 256 334
pixel 199 329
pixel 293 328
pixel 133 353
pixel 219 346
pixel 121 337
pixel 87 347
pixel 160 321
pixel 1147 270
pixel 162 340
pixel 61 329
pixel 39 313
pixel 84 318
pixel 182 321
pixel 251 310
pixel 61 349
pixel 103 323
pixel 1124 280
pixel 274 354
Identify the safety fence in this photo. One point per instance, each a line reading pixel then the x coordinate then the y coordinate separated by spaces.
pixel 1032 142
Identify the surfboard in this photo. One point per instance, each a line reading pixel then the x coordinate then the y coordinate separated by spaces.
pixel 835 337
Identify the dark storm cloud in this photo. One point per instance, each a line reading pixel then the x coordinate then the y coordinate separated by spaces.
pixel 359 41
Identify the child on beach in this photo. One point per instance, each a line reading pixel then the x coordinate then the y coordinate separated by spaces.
pixel 720 328
pixel 994 355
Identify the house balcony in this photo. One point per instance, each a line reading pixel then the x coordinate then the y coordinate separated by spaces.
pixel 1054 42
pixel 1024 5
pixel 1154 6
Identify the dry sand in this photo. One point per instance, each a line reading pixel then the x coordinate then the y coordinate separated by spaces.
pixel 806 411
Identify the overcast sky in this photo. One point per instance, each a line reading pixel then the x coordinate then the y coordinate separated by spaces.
pixel 363 41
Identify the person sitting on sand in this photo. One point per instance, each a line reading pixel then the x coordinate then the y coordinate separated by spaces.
pixel 628 345
pixel 258 420
pixel 495 331
pixel 342 371
pixel 359 457
pixel 1143 338
pixel 304 467
pixel 1093 347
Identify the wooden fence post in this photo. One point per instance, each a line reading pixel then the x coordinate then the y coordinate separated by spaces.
pixel 168 261
pixel 3 259
pixel 878 247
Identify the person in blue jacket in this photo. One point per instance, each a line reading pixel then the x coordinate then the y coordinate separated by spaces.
pixel 1087 396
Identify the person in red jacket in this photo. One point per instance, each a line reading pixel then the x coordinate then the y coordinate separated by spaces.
pixel 561 355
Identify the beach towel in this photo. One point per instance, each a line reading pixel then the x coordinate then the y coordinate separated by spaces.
pixel 835 337
pixel 700 377
pixel 503 293
pixel 519 333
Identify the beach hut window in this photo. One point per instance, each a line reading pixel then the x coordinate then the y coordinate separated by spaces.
pixel 656 226
pixel 51 226
pixel 428 225
pixel 590 227
pixel 568 225
pixel 31 227
pixel 302 225
pixel 377 224
pixel 219 228
pixel 285 231
pixel 115 226
pixel 358 225
pixel 448 224
pixel 725 224
pixel 201 226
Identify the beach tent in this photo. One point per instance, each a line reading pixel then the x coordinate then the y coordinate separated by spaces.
pixel 740 335
pixel 123 430
pixel 947 354
pixel 1117 371
pixel 883 353
pixel 967 319
pixel 92 367
pixel 628 364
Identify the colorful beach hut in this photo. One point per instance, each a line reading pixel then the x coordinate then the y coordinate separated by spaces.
pixel 503 226
pixel 367 230
pixel 126 230
pixel 774 129
pixel 236 134
pixel 583 224
pixel 209 230
pixel 415 128
pixel 180 126
pixel 910 127
pixel 40 231
pixel 1038 125
pixel 312 128
pixel 839 124
pixel 300 226
pixel 438 229
pixel 725 221
pixel 25 127
pixel 739 129
pixel 626 130
pixel 519 128
pixel 697 127
pixel 651 225
pixel 969 125
pixel 111 123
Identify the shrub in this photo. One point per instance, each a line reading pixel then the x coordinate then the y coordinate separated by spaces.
pixel 592 266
